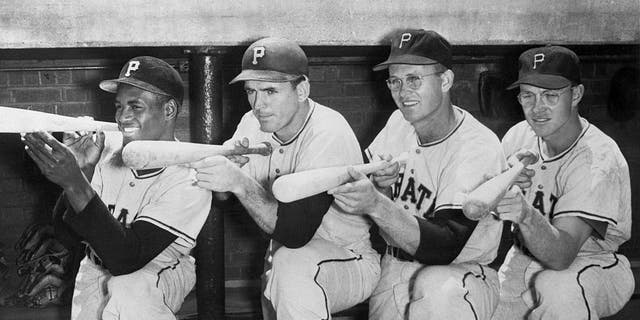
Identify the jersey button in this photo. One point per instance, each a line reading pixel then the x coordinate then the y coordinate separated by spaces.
pixel 281 150
pixel 132 184
pixel 418 151
pixel 406 207
pixel 543 167
pixel 540 186
pixel 277 170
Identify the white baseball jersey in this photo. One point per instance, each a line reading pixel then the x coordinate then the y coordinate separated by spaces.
pixel 589 180
pixel 438 173
pixel 165 197
pixel 324 140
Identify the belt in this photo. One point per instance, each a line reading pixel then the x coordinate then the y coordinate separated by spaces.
pixel 399 254
pixel 93 256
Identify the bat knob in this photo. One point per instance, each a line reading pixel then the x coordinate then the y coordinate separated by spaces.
pixel 268 150
pixel 474 210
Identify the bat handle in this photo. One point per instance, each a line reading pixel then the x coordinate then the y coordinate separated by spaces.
pixel 528 159
pixel 263 148
pixel 372 167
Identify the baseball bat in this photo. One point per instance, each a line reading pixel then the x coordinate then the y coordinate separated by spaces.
pixel 20 120
pixel 485 197
pixel 299 185
pixel 144 154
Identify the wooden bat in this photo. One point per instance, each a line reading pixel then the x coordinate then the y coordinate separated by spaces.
pixel 20 120
pixel 299 185
pixel 484 198
pixel 144 154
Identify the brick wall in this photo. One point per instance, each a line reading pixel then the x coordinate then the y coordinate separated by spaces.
pixel 345 83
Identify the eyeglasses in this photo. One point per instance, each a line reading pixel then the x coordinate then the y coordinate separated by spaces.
pixel 414 82
pixel 548 97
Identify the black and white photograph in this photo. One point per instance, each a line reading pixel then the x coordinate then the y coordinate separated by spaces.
pixel 308 160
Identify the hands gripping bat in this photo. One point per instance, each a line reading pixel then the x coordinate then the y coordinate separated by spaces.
pixel 144 154
pixel 484 198
pixel 20 120
pixel 299 185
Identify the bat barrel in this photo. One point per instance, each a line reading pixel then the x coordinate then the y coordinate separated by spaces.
pixel 145 154
pixel 15 120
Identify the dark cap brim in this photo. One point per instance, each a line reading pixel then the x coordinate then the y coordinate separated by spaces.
pixel 112 85
pixel 264 75
pixel 545 81
pixel 404 59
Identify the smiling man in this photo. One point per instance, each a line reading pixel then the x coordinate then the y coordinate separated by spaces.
pixel 319 259
pixel 436 261
pixel 575 210
pixel 139 226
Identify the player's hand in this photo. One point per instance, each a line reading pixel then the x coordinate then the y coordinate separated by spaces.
pixel 55 160
pixel 86 146
pixel 513 206
pixel 358 196
pixel 218 174
pixel 524 178
pixel 389 175
pixel 240 160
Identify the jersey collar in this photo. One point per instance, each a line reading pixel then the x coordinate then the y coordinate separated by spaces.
pixel 304 125
pixel 433 143
pixel 585 127
pixel 147 173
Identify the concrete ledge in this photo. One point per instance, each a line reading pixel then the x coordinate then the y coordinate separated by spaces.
pixel 80 23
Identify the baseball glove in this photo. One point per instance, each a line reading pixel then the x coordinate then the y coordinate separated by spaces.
pixel 45 266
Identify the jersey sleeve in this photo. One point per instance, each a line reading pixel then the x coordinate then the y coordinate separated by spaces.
pixel 476 162
pixel 591 190
pixel 329 147
pixel 96 181
pixel 245 128
pixel 391 139
pixel 112 147
pixel 520 136
pixel 178 206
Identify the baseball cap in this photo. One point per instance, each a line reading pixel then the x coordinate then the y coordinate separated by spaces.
pixel 549 67
pixel 414 46
pixel 150 74
pixel 273 59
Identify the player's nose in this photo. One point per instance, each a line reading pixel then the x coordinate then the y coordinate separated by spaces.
pixel 538 105
pixel 124 114
pixel 259 101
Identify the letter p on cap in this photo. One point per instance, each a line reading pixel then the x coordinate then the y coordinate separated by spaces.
pixel 404 38
pixel 258 52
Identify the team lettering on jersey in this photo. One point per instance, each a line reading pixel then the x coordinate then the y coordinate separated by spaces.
pixel 539 203
pixel 414 193
pixel 122 216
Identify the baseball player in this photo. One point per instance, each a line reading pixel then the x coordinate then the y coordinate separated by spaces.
pixel 435 266
pixel 319 259
pixel 575 208
pixel 139 225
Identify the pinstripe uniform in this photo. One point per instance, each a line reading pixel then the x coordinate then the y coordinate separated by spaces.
pixel 164 197
pixel 435 176
pixel 589 180
pixel 337 268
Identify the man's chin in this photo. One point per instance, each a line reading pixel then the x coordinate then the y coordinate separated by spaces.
pixel 127 139
pixel 267 128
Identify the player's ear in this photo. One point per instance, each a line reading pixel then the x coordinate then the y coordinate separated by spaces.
pixel 577 92
pixel 170 109
pixel 447 80
pixel 302 89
